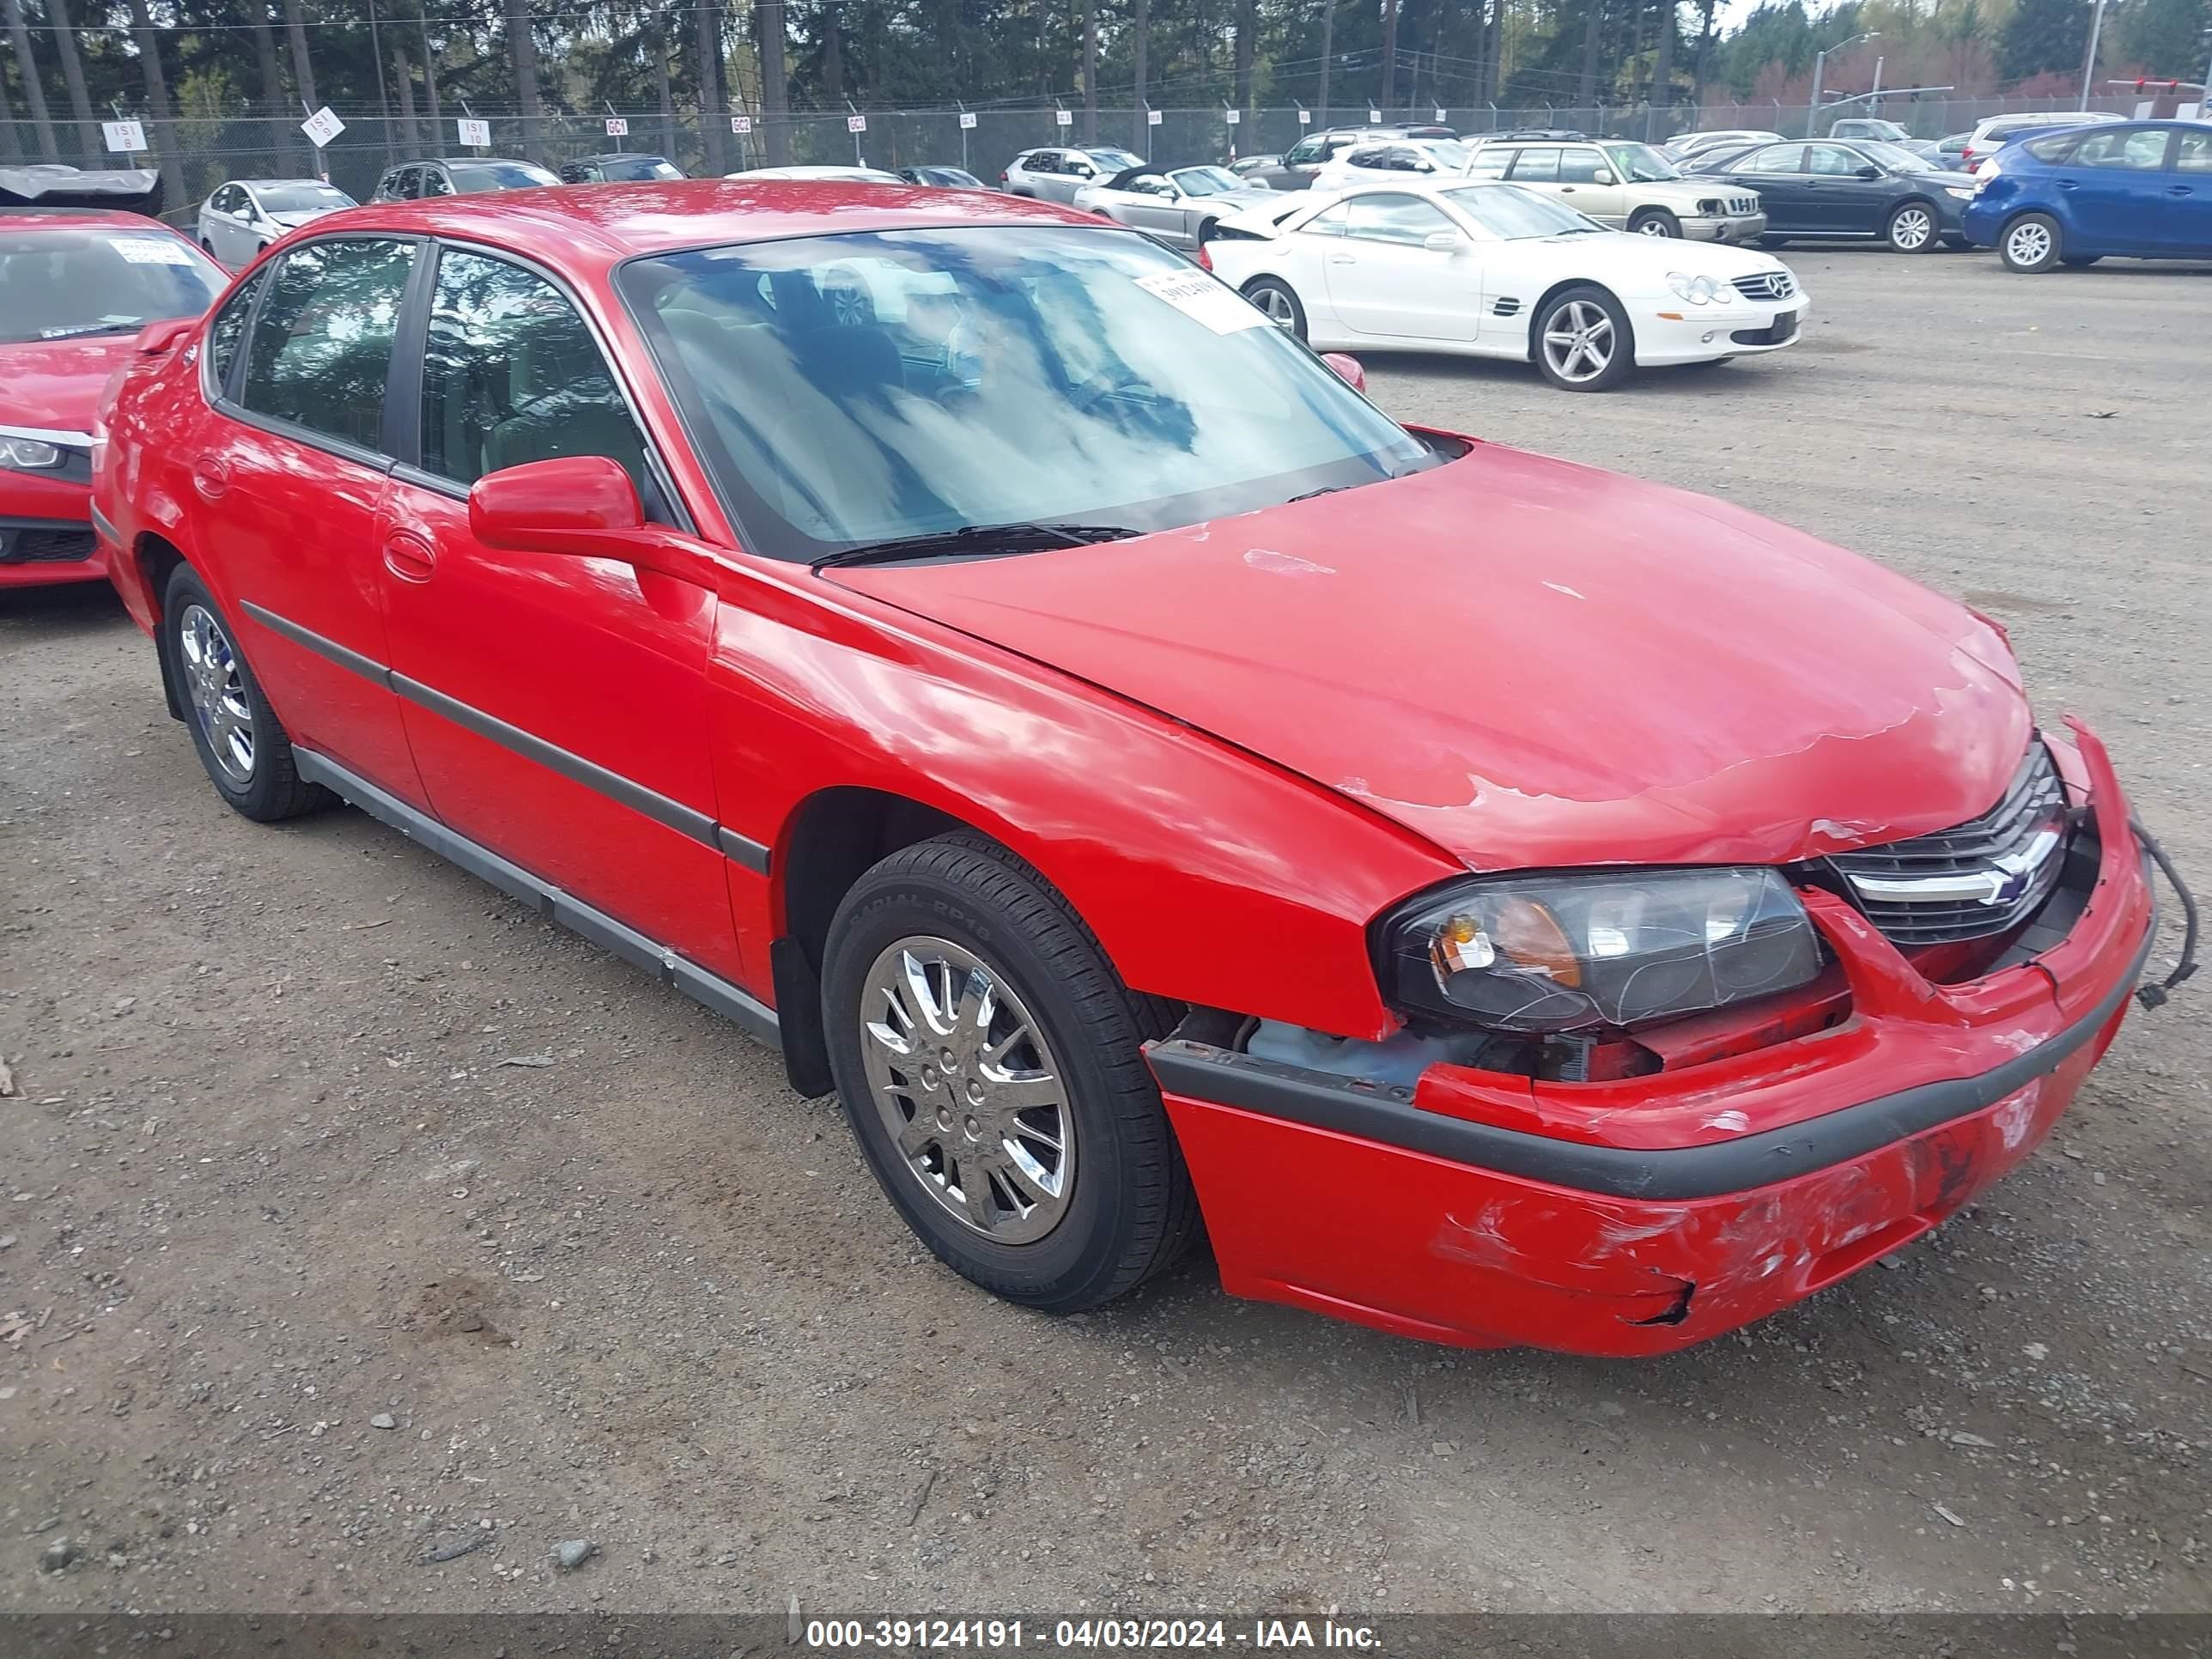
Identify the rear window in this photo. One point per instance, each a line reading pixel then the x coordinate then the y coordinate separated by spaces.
pixel 476 176
pixel 302 198
pixel 61 284
pixel 2056 148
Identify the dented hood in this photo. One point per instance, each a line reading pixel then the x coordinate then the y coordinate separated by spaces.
pixel 1531 662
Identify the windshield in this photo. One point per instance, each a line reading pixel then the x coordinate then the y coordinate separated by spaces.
pixel 1449 154
pixel 1884 129
pixel 1896 159
pixel 643 166
pixel 1514 215
pixel 475 176
pixel 1113 160
pixel 849 389
pixel 1206 181
pixel 302 198
pixel 1640 164
pixel 55 284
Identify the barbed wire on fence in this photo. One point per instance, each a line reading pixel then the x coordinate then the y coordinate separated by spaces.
pixel 204 151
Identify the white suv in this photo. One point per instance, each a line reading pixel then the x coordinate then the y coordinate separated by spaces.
pixel 1054 174
pixel 1994 132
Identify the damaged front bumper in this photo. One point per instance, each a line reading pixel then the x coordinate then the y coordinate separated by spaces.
pixel 1644 1215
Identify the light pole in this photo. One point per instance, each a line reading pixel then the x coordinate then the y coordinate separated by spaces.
pixel 1820 65
pixel 2089 65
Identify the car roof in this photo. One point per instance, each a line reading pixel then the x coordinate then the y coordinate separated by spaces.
pixel 579 229
pixel 35 217
pixel 616 155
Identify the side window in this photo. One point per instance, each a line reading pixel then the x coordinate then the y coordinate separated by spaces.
pixel 1834 161
pixel 225 333
pixel 1304 151
pixel 1774 158
pixel 2139 149
pixel 2194 153
pixel 1582 167
pixel 225 200
pixel 1490 162
pixel 1330 221
pixel 401 183
pixel 321 350
pixel 1539 164
pixel 2057 148
pixel 511 374
pixel 433 182
pixel 1405 220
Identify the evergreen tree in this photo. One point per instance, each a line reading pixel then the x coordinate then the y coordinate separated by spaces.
pixel 2167 37
pixel 2043 35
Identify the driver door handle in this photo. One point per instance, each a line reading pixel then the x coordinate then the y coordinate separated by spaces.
pixel 409 556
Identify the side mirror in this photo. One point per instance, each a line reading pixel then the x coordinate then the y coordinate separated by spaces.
pixel 1441 242
pixel 574 504
pixel 1347 369
pixel 1869 171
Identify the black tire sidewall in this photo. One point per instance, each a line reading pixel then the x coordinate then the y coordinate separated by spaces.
pixel 1298 306
pixel 1084 1250
pixel 271 793
pixel 1660 215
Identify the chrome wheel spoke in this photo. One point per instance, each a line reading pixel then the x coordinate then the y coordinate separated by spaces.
pixel 967 1089
pixel 217 687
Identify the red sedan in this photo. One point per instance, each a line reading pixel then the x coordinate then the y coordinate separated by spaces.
pixel 965 645
pixel 75 286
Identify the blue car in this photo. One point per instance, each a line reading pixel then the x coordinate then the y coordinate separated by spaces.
pixel 2136 190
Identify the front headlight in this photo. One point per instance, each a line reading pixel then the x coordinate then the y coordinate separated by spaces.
pixel 1698 290
pixel 1541 953
pixel 1964 192
pixel 23 454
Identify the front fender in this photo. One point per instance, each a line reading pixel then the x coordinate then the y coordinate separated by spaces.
pixel 1208 875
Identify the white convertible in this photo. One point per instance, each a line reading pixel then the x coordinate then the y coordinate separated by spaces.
pixel 1494 271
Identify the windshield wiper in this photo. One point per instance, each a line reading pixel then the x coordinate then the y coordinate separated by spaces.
pixel 77 330
pixel 978 539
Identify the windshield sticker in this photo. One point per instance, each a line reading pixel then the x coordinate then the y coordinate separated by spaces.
pixel 154 250
pixel 1204 300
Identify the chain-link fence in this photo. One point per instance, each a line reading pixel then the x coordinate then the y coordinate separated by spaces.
pixel 197 153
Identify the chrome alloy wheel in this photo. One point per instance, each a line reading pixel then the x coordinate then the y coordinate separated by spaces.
pixel 1276 306
pixel 2028 244
pixel 217 689
pixel 1578 341
pixel 971 1092
pixel 1911 228
pixel 1654 227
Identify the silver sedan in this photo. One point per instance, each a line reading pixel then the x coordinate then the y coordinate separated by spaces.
pixel 1175 204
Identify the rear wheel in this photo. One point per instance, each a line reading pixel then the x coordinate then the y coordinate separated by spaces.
pixel 1655 221
pixel 2030 243
pixel 1583 340
pixel 1912 228
pixel 990 1066
pixel 241 745
pixel 1274 297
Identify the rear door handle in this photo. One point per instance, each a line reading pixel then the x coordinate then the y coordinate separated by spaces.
pixel 2179 190
pixel 409 557
pixel 210 476
pixel 2066 183
pixel 1342 260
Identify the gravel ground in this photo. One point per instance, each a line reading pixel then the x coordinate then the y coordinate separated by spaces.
pixel 302 1280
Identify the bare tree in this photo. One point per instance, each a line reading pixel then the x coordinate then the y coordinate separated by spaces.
pixel 1704 70
pixel 656 49
pixel 1141 28
pixel 166 143
pixel 522 54
pixel 273 80
pixel 1586 92
pixel 1494 53
pixel 1662 73
pixel 33 93
pixel 430 83
pixel 11 147
pixel 775 89
pixel 88 124
pixel 1247 48
pixel 711 117
pixel 403 72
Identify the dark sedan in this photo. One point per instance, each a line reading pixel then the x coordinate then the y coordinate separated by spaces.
pixel 1830 190
pixel 942 178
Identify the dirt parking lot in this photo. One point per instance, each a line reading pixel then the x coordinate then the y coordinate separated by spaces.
pixel 350 1215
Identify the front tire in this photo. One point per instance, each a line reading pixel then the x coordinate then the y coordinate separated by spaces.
pixel 990 1061
pixel 242 745
pixel 1655 221
pixel 2031 243
pixel 1581 340
pixel 1275 297
pixel 1912 229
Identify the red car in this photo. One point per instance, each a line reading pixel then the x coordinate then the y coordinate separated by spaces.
pixel 965 645
pixel 75 286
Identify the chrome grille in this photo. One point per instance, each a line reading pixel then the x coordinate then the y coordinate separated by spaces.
pixel 1767 285
pixel 1743 204
pixel 1979 879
